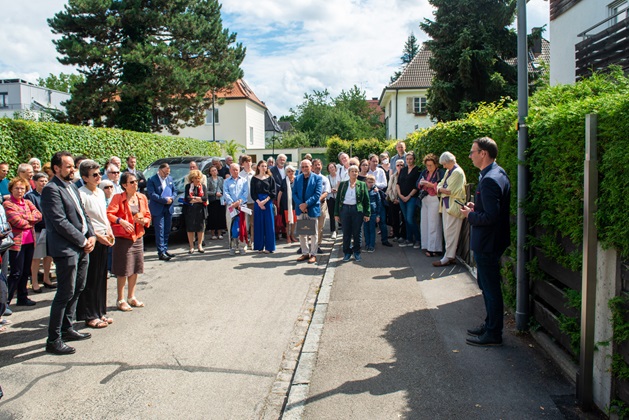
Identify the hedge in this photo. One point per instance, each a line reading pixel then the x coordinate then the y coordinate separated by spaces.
pixel 21 140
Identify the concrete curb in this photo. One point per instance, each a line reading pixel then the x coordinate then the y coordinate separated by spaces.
pixel 298 360
pixel 300 385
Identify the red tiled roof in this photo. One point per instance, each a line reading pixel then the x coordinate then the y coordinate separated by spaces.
pixel 375 105
pixel 238 90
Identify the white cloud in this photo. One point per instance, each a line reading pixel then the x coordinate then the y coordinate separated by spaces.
pixel 292 47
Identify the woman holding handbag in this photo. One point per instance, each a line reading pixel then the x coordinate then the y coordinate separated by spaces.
pixel 195 201
pixel 128 213
pixel 430 221
pixel 23 216
pixel 352 209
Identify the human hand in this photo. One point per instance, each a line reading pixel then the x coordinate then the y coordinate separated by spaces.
pixel 89 247
pixel 366 218
pixel 470 205
pixel 303 207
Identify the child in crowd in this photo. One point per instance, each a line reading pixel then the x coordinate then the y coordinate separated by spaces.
pixel 375 202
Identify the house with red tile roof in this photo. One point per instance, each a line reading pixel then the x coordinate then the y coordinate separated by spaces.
pixel 237 114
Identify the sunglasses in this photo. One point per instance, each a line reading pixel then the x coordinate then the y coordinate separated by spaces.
pixel 114 173
pixel 96 175
pixel 108 187
pixel 132 182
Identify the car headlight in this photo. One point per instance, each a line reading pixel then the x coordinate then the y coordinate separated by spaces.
pixel 177 210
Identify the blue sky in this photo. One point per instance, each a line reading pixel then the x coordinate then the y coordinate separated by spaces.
pixel 293 46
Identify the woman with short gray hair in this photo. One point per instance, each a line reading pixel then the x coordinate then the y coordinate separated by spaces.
pixel 450 189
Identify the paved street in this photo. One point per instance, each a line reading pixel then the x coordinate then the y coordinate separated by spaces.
pixel 220 338
pixel 210 343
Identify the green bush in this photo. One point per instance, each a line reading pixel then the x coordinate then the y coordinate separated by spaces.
pixel 20 140
pixel 361 148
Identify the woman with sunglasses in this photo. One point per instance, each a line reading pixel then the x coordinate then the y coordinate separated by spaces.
pixel 92 304
pixel 129 215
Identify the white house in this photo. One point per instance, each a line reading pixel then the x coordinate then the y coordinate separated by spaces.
pixel 594 21
pixel 404 101
pixel 18 95
pixel 237 115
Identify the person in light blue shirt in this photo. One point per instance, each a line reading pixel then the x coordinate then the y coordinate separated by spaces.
pixel 4 181
pixel 236 192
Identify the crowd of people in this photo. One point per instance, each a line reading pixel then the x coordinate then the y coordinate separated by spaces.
pixel 91 221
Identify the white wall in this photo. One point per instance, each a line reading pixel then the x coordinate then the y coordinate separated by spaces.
pixel 563 37
pixel 406 122
pixel 21 96
pixel 255 119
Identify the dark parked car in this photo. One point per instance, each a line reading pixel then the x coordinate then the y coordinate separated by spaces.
pixel 179 169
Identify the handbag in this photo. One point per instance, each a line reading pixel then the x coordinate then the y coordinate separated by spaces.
pixel 306 227
pixel 7 242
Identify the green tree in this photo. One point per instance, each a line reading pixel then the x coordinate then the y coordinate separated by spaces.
pixel 348 116
pixel 231 148
pixel 471 41
pixel 411 48
pixel 148 64
pixel 64 82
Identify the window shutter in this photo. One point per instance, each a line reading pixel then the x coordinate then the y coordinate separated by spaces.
pixel 409 105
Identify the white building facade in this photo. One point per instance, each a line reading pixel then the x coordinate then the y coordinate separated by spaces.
pixel 17 95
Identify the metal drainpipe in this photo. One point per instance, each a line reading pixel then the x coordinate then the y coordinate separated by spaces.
pixel 522 303
pixel 397 109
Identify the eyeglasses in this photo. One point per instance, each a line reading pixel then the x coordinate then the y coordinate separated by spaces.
pixel 96 175
pixel 472 152
pixel 108 187
pixel 114 173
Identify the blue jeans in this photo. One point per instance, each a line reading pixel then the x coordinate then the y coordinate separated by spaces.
pixel 369 229
pixel 384 230
pixel 489 280
pixel 408 211
pixel 351 221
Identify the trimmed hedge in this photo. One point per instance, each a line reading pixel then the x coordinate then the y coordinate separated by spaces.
pixel 361 148
pixel 20 140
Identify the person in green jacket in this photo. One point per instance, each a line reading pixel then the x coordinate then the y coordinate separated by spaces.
pixel 352 209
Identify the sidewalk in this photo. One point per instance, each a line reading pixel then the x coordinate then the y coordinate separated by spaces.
pixel 392 345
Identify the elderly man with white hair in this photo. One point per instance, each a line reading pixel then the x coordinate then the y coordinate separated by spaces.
pixel 236 192
pixel 25 171
pixel 307 191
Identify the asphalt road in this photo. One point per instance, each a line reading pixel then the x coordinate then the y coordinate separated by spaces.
pixel 218 339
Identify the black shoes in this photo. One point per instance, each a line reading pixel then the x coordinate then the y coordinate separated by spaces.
pixel 58 347
pixel 26 302
pixel 475 332
pixel 50 286
pixel 164 257
pixel 73 335
pixel 168 254
pixel 387 244
pixel 484 340
pixel 319 251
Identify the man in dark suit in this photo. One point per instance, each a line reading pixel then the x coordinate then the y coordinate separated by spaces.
pixel 161 194
pixel 131 162
pixel 69 239
pixel 488 216
pixel 307 191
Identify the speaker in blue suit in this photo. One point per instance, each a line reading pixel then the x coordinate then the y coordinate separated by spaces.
pixel 161 193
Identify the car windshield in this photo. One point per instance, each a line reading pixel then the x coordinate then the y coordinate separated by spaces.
pixel 178 171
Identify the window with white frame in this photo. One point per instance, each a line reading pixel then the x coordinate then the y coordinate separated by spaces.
pixel 250 135
pixel 419 105
pixel 211 118
pixel 615 7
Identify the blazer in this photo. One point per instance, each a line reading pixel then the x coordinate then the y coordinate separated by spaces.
pixel 21 220
pixel 154 190
pixel 277 177
pixel 186 195
pixel 119 207
pixel 63 219
pixel 314 189
pixel 490 218
pixel 456 184
pixel 362 198
pixel 211 191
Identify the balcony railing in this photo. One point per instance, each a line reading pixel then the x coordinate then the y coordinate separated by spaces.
pixel 601 49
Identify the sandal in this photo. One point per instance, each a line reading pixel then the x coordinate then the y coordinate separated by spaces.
pixel 107 319
pixel 5 322
pixel 123 306
pixel 96 323
pixel 133 301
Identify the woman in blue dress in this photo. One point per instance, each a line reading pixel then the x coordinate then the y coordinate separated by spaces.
pixel 263 194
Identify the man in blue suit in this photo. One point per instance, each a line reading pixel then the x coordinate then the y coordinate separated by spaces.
pixel 488 216
pixel 307 191
pixel 161 193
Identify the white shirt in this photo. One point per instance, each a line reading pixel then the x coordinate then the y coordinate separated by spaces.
pixel 350 196
pixel 247 175
pixel 282 171
pixel 96 209
pixel 343 173
pixel 326 185
pixel 381 178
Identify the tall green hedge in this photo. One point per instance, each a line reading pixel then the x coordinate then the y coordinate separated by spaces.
pixel 20 140
pixel 555 158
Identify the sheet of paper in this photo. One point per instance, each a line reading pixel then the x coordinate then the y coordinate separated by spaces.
pixel 246 210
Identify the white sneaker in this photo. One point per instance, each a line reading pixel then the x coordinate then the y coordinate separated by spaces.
pixel 220 236
pixel 403 243
pixel 416 245
pixel 334 235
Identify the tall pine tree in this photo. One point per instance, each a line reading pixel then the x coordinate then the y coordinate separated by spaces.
pixel 411 48
pixel 471 41
pixel 148 64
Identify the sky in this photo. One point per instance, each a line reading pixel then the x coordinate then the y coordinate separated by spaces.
pixel 293 46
